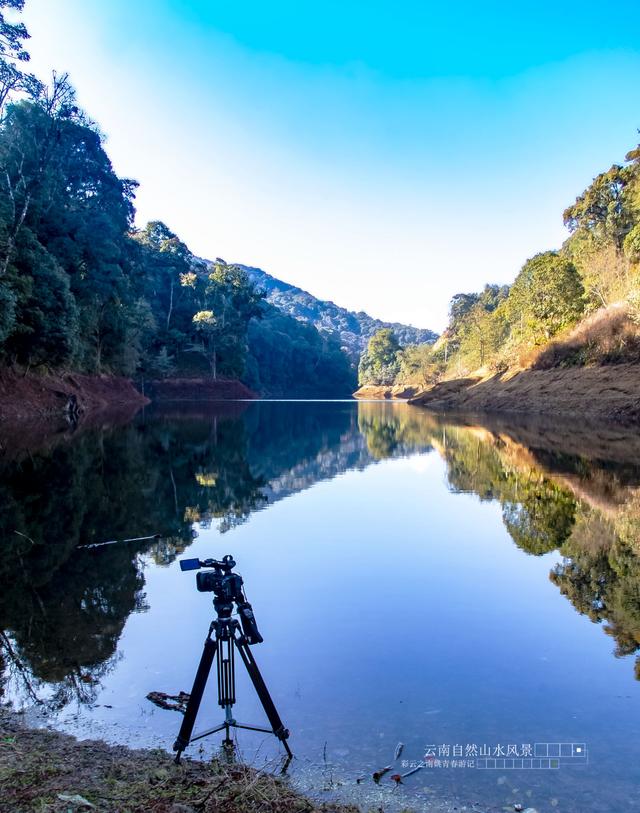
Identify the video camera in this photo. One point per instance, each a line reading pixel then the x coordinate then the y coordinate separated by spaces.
pixel 227 588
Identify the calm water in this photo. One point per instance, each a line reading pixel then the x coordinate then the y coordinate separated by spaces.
pixel 450 587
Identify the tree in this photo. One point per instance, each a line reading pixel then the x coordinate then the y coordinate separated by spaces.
pixel 13 54
pixel 379 363
pixel 603 222
pixel 228 302
pixel 605 210
pixel 632 244
pixel 288 357
pixel 167 260
pixel 476 329
pixel 418 366
pixel 546 297
pixel 63 204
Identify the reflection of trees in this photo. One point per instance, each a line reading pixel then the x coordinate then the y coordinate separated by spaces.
pixel 390 431
pixel 383 436
pixel 600 573
pixel 63 608
pixel 202 473
pixel 601 577
pixel 282 437
pixel 67 629
pixel 537 512
pixel 542 520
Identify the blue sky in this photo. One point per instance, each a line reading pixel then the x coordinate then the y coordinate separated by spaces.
pixel 382 155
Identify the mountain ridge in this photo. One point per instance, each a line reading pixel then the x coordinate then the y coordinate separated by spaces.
pixel 353 329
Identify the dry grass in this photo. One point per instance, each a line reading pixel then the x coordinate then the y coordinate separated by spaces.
pixel 37 767
pixel 609 336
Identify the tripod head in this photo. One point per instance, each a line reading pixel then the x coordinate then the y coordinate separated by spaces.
pixel 228 590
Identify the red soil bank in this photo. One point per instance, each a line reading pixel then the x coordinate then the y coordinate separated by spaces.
pixel 30 395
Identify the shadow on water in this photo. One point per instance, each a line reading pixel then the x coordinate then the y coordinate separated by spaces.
pixel 63 606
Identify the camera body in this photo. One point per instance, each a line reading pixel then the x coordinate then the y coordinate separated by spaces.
pixel 227 588
pixel 224 585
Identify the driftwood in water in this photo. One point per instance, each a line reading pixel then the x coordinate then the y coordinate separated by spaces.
pixel 174 702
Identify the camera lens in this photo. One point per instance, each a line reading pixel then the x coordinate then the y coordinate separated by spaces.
pixel 206 582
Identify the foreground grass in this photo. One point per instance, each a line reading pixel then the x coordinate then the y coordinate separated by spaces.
pixel 51 772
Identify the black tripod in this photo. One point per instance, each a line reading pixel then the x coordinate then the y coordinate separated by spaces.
pixel 225 636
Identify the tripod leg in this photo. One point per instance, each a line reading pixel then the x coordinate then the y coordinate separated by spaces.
pixel 195 698
pixel 263 693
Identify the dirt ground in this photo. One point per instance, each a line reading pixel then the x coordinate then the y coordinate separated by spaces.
pixel 371 391
pixel 49 772
pixel 29 395
pixel 608 392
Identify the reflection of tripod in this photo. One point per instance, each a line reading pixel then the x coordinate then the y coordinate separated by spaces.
pixel 228 637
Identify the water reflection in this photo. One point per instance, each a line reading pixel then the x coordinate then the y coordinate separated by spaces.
pixel 586 507
pixel 63 606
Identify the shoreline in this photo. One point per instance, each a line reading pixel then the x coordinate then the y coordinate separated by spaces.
pixel 605 393
pixel 44 769
pixel 28 396
pixel 32 397
pixel 375 392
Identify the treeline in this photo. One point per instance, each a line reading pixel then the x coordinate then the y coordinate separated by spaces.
pixel 592 281
pixel 386 363
pixel 82 289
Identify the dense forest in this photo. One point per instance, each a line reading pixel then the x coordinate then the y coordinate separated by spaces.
pixel 82 289
pixel 578 305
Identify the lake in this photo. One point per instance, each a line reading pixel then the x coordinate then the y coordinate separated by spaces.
pixel 468 588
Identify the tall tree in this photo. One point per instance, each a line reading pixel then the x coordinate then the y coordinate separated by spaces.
pixel 380 364
pixel 608 208
pixel 13 55
pixel 229 301
pixel 546 297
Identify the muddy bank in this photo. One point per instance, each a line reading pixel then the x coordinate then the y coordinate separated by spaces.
pixel 610 393
pixel 46 770
pixel 33 396
pixel 26 396
pixel 377 393
pixel 196 389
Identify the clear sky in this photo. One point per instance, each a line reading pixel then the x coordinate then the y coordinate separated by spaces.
pixel 385 155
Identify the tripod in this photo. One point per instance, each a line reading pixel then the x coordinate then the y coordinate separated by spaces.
pixel 224 637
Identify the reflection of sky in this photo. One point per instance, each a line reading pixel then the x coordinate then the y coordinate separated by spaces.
pixel 392 610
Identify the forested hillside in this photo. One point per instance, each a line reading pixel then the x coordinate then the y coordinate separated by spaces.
pixel 351 329
pixel 82 289
pixel 579 305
